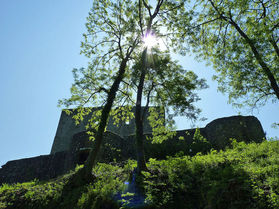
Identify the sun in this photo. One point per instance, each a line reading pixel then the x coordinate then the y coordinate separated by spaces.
pixel 150 41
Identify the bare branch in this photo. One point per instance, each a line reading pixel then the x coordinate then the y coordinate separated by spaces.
pixel 140 18
pixel 147 7
pixel 92 94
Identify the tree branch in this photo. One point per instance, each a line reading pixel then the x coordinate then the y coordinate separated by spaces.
pixel 257 55
pixel 275 46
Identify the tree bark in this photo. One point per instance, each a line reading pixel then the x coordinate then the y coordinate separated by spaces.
pixel 91 160
pixel 139 115
pixel 139 119
pixel 84 175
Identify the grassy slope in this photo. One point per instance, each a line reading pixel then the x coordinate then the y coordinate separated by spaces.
pixel 245 176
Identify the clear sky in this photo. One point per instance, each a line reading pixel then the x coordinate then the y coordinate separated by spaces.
pixel 40 45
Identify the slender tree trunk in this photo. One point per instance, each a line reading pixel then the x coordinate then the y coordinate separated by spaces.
pixel 139 119
pixel 91 160
pixel 139 115
pixel 84 175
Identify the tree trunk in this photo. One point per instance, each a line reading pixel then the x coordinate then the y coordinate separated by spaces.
pixel 139 115
pixel 139 119
pixel 91 160
pixel 84 175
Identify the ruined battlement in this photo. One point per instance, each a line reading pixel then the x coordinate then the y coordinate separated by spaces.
pixel 74 148
pixel 67 129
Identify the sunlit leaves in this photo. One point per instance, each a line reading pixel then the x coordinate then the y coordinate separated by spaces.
pixel 171 87
pixel 111 36
pixel 214 37
pixel 113 29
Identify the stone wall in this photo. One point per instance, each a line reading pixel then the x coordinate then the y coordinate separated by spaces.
pixel 117 148
pixel 43 167
pixel 67 129
pixel 218 132
pixel 112 147
pixel 242 128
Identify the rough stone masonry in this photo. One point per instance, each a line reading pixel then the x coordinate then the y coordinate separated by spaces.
pixel 71 146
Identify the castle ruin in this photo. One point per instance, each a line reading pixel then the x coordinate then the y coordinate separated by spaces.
pixel 71 145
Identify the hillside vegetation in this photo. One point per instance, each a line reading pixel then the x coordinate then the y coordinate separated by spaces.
pixel 242 176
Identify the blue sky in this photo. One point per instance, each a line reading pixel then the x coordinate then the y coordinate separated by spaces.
pixel 40 45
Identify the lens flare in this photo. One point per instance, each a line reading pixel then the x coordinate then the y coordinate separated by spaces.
pixel 149 40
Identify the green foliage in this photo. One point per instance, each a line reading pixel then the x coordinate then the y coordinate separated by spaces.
pixel 130 166
pixel 200 143
pixel 245 176
pixel 240 39
pixel 114 45
pixel 242 177
pixel 48 195
pixel 33 194
pixel 110 40
pixel 114 30
pixel 110 180
pixel 173 88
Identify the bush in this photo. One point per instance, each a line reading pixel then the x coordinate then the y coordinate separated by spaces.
pixel 244 176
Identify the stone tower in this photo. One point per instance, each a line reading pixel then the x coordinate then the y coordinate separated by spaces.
pixel 67 129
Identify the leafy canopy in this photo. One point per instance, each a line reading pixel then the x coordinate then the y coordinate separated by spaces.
pixel 114 33
pixel 240 38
